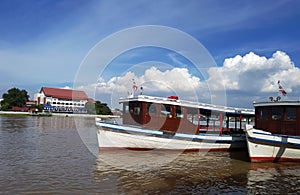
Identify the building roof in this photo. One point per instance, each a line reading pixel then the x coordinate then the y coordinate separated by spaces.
pixel 91 100
pixel 68 94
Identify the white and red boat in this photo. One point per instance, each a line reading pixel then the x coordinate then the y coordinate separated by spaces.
pixel 276 134
pixel 173 124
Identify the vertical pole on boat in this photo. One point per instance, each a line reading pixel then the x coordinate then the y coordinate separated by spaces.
pixel 241 118
pixel 235 123
pixel 227 123
pixel 198 126
pixel 221 123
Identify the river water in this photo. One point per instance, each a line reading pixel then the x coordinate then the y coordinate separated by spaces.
pixel 58 155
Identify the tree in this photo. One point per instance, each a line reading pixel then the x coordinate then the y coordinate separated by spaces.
pixel 14 97
pixel 90 108
pixel 102 108
pixel 97 108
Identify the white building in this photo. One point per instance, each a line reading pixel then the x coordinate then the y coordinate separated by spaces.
pixel 62 100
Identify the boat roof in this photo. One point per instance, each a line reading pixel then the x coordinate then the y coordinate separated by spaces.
pixel 190 104
pixel 277 103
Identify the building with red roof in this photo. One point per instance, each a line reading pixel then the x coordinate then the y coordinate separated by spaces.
pixel 62 100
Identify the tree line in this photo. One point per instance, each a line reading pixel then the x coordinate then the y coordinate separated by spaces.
pixel 17 97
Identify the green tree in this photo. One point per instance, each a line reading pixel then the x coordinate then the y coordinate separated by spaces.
pixel 102 108
pixel 14 97
pixel 97 108
pixel 90 108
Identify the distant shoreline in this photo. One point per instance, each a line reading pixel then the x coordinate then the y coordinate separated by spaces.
pixel 13 113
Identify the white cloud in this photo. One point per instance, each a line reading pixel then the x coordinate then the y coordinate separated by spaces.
pixel 176 81
pixel 246 78
pixel 257 73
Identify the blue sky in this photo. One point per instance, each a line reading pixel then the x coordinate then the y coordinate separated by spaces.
pixel 43 43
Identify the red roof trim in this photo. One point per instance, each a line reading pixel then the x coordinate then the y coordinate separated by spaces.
pixel 21 109
pixel 68 94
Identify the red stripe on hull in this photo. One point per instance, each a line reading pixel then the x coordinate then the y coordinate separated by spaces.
pixel 272 159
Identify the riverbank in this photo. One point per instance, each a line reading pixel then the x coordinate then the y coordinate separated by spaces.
pixel 12 113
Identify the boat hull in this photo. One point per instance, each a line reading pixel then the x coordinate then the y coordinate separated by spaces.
pixel 266 147
pixel 115 137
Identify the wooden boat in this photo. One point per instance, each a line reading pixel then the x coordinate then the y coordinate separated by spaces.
pixel 173 124
pixel 276 134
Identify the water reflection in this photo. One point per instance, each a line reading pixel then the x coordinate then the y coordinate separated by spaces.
pixel 189 172
pixel 214 173
pixel 66 123
pixel 47 156
pixel 278 178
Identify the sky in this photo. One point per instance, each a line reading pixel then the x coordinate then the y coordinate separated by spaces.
pixel 225 52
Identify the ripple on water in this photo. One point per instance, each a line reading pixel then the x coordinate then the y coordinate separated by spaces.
pixel 47 156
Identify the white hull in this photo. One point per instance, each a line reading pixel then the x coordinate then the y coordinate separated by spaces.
pixel 264 146
pixel 113 136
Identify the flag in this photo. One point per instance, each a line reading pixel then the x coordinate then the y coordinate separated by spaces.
pixel 283 92
pixel 134 86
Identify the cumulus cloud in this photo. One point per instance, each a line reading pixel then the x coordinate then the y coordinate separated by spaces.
pixel 257 73
pixel 245 79
pixel 176 81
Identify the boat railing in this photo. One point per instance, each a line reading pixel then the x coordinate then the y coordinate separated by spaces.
pixel 212 107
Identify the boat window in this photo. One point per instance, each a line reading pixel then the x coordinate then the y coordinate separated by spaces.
pixel 192 115
pixel 126 109
pixel 151 108
pixel 290 113
pixel 136 110
pixel 263 113
pixel 179 113
pixel 276 113
pixel 165 110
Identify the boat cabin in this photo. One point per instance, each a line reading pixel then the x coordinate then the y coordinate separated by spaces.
pixel 173 115
pixel 281 117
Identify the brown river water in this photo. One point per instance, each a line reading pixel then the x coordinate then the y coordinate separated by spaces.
pixel 59 155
